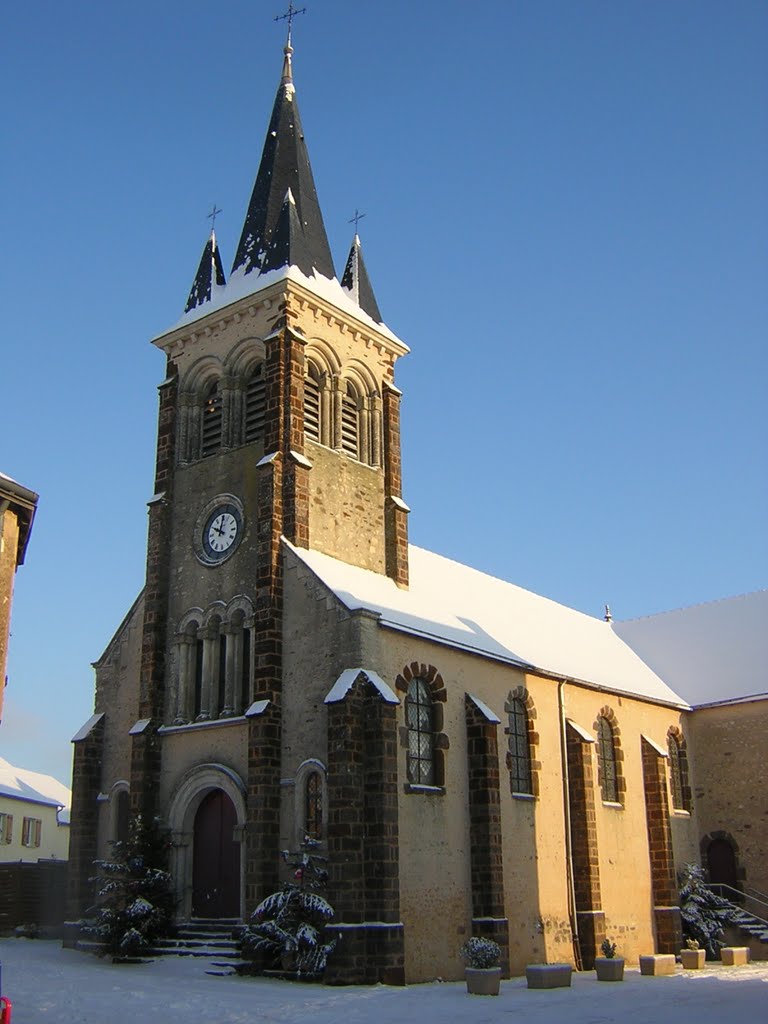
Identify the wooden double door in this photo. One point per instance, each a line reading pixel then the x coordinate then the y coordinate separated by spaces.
pixel 215 858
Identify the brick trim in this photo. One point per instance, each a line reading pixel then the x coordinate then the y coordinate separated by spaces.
pixel 521 694
pixel 86 786
pixel 440 742
pixel 669 934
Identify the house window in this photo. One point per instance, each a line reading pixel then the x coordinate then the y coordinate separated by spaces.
pixel 678 770
pixel 418 718
pixel 31 829
pixel 607 754
pixel 212 421
pixel 6 828
pixel 312 424
pixel 255 405
pixel 313 806
pixel 349 441
pixel 519 748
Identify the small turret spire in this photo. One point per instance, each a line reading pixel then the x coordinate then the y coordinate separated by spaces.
pixel 356 280
pixel 210 273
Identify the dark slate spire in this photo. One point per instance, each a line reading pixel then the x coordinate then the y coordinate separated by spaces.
pixel 284 166
pixel 288 246
pixel 357 282
pixel 209 271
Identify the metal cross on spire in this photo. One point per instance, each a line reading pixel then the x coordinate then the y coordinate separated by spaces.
pixel 356 219
pixel 213 215
pixel 289 15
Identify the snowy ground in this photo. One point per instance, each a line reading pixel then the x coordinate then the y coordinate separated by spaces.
pixel 47 983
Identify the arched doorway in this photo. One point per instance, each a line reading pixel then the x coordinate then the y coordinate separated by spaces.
pixel 215 858
pixel 721 864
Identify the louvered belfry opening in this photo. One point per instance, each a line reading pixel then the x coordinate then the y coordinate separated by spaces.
pixel 255 405
pixel 212 421
pixel 312 403
pixel 350 421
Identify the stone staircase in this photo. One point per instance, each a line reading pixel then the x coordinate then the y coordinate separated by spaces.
pixel 202 937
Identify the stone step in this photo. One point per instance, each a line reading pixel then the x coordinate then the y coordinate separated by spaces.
pixel 188 943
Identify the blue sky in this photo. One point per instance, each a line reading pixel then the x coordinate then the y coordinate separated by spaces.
pixel 566 219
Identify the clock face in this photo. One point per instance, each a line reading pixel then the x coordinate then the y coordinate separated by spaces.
pixel 221 532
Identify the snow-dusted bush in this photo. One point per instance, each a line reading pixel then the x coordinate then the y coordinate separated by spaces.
pixel 287 927
pixel 704 914
pixel 480 954
pixel 134 898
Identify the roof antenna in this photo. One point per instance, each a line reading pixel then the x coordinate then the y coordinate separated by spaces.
pixel 608 617
pixel 289 15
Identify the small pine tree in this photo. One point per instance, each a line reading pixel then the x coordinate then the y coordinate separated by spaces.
pixel 134 896
pixel 287 926
pixel 704 914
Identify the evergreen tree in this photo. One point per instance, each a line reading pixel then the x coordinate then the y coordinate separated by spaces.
pixel 134 896
pixel 704 914
pixel 287 926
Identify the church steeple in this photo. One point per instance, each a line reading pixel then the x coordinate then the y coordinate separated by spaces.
pixel 357 282
pixel 284 167
pixel 209 273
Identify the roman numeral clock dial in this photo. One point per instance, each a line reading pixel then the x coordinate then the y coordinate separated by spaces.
pixel 219 530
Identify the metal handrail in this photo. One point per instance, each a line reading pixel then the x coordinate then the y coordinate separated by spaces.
pixel 740 895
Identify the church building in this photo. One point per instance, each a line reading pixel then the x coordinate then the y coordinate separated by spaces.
pixel 472 758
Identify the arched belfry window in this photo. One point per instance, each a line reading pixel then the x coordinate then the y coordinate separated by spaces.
pixel 519 759
pixel 312 403
pixel 418 718
pixel 607 755
pixel 349 441
pixel 678 772
pixel 255 405
pixel 212 421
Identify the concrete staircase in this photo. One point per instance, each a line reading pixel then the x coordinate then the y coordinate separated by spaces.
pixel 202 937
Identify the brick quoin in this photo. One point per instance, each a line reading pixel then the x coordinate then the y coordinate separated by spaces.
pixel 395 519
pixel 86 786
pixel 363 837
pixel 486 855
pixel 669 935
pixel 584 851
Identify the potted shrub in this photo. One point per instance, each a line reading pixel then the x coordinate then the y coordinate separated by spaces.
pixel 692 958
pixel 609 967
pixel 482 966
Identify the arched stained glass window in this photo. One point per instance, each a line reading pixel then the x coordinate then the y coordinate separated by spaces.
pixel 678 772
pixel 313 807
pixel 607 753
pixel 418 718
pixel 519 748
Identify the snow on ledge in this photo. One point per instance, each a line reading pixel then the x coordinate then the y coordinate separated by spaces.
pixel 659 750
pixel 257 708
pixel 84 731
pixel 588 737
pixel 484 709
pixel 349 677
pixel 139 727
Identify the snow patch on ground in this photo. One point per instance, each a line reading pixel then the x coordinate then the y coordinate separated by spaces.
pixel 47 983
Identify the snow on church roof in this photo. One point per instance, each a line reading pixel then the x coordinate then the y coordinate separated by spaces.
pixel 464 608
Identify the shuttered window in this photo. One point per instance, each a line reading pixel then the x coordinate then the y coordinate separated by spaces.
pixel 350 421
pixel 211 432
pixel 312 404
pixel 255 405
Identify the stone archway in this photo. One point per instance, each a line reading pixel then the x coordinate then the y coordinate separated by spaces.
pixel 207 816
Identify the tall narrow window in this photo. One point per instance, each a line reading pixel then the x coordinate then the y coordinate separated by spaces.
pixel 678 770
pixel 198 677
pixel 350 421
pixel 219 698
pixel 519 748
pixel 418 718
pixel 312 426
pixel 212 417
pixel 313 808
pixel 607 752
pixel 245 672
pixel 255 405
pixel 31 832
pixel 6 828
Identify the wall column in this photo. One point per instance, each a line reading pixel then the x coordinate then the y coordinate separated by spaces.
pixel 584 853
pixel 666 910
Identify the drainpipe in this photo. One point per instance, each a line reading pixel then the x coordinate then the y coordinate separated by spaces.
pixel 567 818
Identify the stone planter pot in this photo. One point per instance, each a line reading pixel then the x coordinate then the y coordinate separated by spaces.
pixel 483 981
pixel 609 968
pixel 692 959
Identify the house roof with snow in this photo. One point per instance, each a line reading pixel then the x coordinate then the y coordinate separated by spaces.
pixel 34 787
pixel 24 504
pixel 461 607
pixel 710 653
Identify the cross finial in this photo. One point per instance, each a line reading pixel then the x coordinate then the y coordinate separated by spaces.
pixel 356 219
pixel 289 15
pixel 213 215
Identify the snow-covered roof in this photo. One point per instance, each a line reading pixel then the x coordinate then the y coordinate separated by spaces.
pixel 455 605
pixel 711 652
pixel 347 679
pixel 35 787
